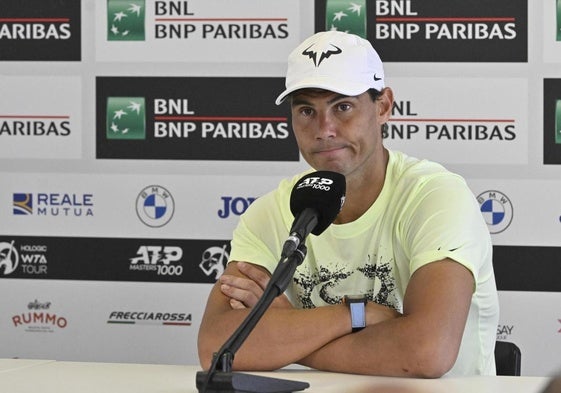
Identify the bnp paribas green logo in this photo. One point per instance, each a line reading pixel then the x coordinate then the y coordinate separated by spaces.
pixel 558 122
pixel 346 15
pixel 126 118
pixel 125 20
pixel 558 20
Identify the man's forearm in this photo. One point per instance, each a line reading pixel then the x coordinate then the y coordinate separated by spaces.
pixel 281 337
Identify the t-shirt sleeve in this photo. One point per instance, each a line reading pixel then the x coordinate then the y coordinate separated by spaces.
pixel 257 237
pixel 444 221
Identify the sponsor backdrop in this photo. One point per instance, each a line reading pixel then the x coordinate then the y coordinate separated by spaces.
pixel 134 133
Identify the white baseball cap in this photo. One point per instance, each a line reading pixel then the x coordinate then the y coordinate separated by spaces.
pixel 332 60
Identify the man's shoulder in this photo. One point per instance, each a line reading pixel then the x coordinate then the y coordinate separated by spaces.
pixel 403 165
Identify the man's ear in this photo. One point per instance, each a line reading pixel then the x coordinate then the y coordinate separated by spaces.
pixel 385 106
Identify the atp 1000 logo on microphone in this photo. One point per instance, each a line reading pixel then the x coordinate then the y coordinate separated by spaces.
pixel 317 183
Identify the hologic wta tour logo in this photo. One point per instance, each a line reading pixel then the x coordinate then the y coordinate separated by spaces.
pixel 496 209
pixel 126 118
pixel 23 260
pixel 125 20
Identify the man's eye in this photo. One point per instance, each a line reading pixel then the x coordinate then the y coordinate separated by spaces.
pixel 344 107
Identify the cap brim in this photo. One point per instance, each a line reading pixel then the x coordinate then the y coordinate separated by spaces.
pixel 348 89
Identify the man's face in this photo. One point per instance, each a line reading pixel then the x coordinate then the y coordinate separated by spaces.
pixel 336 132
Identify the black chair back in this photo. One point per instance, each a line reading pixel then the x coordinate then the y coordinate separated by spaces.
pixel 507 358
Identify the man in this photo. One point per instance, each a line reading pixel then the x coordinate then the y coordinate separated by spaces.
pixel 410 239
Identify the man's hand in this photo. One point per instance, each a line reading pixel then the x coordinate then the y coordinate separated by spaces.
pixel 244 292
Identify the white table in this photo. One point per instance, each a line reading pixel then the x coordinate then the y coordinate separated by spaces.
pixel 44 376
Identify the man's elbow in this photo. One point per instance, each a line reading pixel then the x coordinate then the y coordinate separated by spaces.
pixel 434 361
pixel 206 350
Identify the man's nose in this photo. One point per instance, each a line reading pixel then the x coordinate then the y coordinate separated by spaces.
pixel 326 126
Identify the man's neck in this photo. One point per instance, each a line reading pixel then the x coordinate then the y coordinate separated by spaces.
pixel 363 191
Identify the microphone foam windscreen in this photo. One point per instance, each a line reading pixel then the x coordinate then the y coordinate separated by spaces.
pixel 323 191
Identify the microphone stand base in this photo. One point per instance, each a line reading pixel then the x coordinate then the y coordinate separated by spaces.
pixel 229 382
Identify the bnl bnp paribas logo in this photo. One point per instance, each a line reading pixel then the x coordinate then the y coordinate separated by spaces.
pixel 126 20
pixel 346 15
pixel 497 210
pixel 126 118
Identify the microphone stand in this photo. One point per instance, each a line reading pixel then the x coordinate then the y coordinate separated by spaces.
pixel 220 378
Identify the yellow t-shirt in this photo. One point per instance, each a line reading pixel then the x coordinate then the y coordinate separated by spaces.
pixel 423 214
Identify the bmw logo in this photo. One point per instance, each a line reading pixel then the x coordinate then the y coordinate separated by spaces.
pixel 496 209
pixel 155 206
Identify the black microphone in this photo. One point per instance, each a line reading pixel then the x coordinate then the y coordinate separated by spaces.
pixel 315 201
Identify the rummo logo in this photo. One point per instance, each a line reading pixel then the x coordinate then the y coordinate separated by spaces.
pixel 162 260
pixel 53 204
pixel 126 118
pixel 39 319
pixel 214 261
pixel 497 210
pixel 23 260
pixel 40 30
pixel 155 206
pixel 126 20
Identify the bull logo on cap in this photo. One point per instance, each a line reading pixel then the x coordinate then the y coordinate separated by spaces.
pixel 326 53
